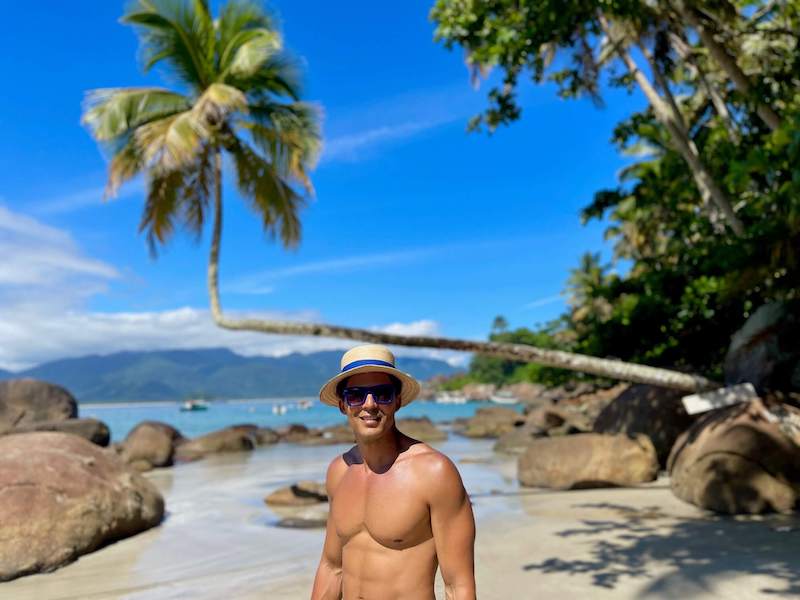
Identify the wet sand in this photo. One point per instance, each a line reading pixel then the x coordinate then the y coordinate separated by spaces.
pixel 219 540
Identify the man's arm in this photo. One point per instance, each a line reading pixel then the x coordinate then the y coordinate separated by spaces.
pixel 328 581
pixel 453 529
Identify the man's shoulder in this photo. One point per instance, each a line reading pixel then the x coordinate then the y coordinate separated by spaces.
pixel 430 465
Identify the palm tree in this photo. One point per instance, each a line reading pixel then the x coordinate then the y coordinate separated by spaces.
pixel 241 99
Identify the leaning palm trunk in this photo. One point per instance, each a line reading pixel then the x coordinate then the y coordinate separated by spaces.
pixel 669 116
pixel 720 107
pixel 729 65
pixel 603 367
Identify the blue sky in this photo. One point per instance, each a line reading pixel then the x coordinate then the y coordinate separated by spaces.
pixel 417 226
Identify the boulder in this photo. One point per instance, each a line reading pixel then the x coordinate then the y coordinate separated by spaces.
pixel 422 429
pixel 25 401
pixel 236 438
pixel 62 496
pixel 588 460
pixel 492 422
pixel 517 440
pixel 337 434
pixel 92 430
pixel 294 433
pixel 656 412
pixel 527 393
pixel 302 493
pixel 740 459
pixel 150 444
pixel 557 420
pixel 766 350
pixel 266 436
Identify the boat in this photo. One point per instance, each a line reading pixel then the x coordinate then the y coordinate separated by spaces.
pixel 194 405
pixel 504 398
pixel 450 398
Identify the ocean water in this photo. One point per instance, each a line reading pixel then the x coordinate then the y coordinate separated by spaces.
pixel 121 418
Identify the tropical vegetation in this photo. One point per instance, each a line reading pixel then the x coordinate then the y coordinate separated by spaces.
pixel 705 221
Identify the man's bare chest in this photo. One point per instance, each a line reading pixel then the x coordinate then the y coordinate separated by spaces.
pixel 390 508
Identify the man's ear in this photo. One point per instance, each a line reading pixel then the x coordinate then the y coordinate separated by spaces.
pixel 341 407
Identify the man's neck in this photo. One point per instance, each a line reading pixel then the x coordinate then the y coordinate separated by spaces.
pixel 379 454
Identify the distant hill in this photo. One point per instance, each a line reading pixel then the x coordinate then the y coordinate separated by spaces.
pixel 215 373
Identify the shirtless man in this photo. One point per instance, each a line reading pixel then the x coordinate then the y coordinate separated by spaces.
pixel 398 508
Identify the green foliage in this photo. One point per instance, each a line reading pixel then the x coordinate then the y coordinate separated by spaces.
pixel 679 284
pixel 490 369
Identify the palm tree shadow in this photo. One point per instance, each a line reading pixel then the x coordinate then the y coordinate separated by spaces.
pixel 697 552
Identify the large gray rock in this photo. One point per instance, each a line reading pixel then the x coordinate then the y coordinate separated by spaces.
pixel 740 459
pixel 92 430
pixel 492 422
pixel 517 440
pixel 62 496
pixel 151 444
pixel 237 438
pixel 766 350
pixel 422 429
pixel 588 460
pixel 25 401
pixel 655 412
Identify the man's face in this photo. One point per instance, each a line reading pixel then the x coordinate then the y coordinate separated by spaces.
pixel 370 420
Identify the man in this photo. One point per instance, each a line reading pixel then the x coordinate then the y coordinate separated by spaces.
pixel 398 508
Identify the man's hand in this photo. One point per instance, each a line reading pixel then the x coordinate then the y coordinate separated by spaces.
pixel 453 528
pixel 328 581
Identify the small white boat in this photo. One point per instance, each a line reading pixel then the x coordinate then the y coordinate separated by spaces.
pixel 450 398
pixel 279 409
pixel 504 398
pixel 193 405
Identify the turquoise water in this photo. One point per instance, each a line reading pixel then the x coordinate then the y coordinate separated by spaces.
pixel 122 418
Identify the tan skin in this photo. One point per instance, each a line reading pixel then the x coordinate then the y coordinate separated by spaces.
pixel 398 509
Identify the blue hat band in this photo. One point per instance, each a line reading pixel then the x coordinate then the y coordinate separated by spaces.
pixel 366 361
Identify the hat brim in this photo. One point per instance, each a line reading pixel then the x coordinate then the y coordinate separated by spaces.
pixel 408 392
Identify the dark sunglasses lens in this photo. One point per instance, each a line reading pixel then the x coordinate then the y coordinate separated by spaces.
pixel 353 397
pixel 384 394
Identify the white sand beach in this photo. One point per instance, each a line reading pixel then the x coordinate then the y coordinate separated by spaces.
pixel 219 540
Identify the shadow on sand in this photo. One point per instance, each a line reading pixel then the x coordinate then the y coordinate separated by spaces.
pixel 694 552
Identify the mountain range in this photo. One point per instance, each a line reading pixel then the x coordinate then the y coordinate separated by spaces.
pixel 208 373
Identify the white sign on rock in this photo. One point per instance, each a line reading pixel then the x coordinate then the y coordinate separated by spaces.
pixel 719 398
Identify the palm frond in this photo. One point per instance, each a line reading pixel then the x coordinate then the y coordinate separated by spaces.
pixel 112 112
pixel 179 32
pixel 277 76
pixel 289 135
pixel 160 209
pixel 172 143
pixel 274 200
pixel 253 48
pixel 236 18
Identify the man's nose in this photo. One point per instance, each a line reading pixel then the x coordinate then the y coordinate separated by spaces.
pixel 369 401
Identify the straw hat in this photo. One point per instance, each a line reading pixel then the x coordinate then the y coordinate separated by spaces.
pixel 369 358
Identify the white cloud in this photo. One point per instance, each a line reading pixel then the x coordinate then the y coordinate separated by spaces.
pixel 545 301
pixel 85 198
pixel 259 283
pixel 423 327
pixel 358 131
pixel 37 255
pixel 351 147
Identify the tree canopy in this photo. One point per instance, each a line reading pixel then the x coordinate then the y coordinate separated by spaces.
pixel 705 221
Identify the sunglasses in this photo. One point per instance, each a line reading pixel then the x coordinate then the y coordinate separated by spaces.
pixel 356 396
